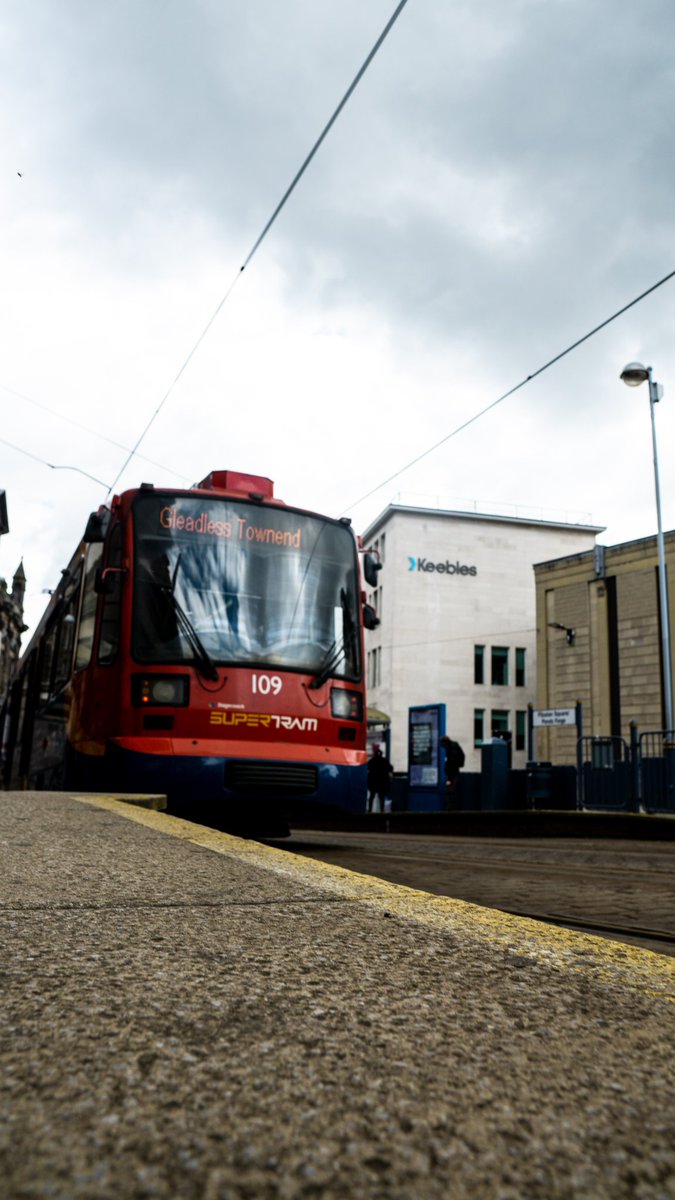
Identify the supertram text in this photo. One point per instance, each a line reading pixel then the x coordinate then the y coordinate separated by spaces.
pixel 264 720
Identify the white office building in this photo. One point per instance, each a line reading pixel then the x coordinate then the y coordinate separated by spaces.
pixel 457 606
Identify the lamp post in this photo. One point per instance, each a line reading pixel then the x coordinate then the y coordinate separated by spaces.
pixel 633 375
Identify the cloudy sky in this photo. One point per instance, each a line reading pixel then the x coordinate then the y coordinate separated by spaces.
pixel 500 182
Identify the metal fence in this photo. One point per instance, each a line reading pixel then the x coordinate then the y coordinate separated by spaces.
pixel 656 759
pixel 628 776
pixel 607 774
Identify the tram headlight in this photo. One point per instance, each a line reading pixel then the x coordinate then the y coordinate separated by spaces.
pixel 170 690
pixel 346 705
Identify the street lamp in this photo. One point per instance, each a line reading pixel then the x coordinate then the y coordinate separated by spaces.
pixel 633 375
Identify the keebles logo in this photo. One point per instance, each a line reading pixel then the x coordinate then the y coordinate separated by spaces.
pixel 441 568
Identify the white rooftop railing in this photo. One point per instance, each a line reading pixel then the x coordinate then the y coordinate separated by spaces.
pixel 496 508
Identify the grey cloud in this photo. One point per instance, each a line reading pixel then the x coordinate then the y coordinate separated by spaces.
pixel 503 172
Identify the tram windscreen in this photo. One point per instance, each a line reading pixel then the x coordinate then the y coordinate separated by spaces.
pixel 250 584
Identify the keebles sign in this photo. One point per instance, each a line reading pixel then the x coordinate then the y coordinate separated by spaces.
pixel 440 568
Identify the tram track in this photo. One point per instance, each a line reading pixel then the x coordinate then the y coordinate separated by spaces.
pixel 533 867
pixel 624 892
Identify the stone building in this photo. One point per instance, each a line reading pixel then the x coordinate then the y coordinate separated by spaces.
pixel 599 641
pixel 11 626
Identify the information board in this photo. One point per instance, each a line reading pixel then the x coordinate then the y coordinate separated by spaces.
pixel 425 729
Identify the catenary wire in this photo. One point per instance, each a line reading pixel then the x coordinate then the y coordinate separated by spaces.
pixel 476 416
pixel 87 429
pixel 256 245
pixel 52 466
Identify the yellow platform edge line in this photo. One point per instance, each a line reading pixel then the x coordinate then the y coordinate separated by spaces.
pixel 629 965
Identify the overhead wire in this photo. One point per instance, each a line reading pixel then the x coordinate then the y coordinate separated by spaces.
pixel 256 245
pixel 87 429
pixel 500 399
pixel 464 637
pixel 52 466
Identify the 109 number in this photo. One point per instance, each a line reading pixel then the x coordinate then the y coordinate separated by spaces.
pixel 262 685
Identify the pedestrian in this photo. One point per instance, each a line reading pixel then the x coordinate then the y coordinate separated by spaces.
pixel 454 761
pixel 380 772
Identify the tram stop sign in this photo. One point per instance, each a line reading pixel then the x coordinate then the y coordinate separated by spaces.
pixel 546 717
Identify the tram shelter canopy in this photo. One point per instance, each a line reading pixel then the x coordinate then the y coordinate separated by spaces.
pixel 375 716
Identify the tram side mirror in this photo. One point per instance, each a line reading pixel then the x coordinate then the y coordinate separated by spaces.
pixel 370 617
pixel 97 526
pixel 371 566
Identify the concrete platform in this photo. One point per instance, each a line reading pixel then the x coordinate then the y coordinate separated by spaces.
pixel 189 1015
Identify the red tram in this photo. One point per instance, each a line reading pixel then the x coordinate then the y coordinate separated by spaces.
pixel 206 644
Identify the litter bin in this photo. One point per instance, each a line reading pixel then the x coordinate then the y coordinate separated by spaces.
pixel 494 774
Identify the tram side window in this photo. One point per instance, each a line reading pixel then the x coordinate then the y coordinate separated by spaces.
pixel 11 731
pixel 25 721
pixel 112 603
pixel 66 636
pixel 85 634
pixel 21 701
pixel 46 663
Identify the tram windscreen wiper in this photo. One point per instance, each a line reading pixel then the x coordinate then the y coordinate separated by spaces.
pixel 203 661
pixel 338 651
pixel 330 664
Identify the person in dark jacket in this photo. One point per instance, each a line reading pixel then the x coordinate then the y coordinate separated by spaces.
pixel 454 761
pixel 380 771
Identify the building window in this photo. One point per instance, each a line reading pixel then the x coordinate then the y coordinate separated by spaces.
pixel 499 721
pixel 377 601
pixel 500 665
pixel 479 664
pixel 374 667
pixel 377 548
pixel 478 726
pixel 520 667
pixel 520 730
